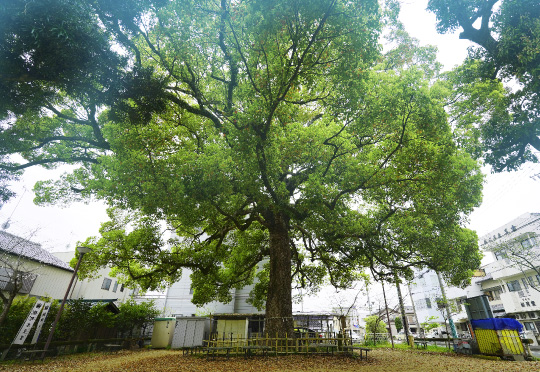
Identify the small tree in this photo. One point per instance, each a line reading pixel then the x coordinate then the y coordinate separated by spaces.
pixel 374 325
pixel 135 316
pixel 17 271
pixel 83 320
pixel 19 309
pixel 447 309
pixel 428 325
pixel 398 323
pixel 344 306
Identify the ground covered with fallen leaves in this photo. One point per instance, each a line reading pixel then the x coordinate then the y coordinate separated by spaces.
pixel 380 360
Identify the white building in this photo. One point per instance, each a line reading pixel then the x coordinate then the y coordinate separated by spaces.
pixel 429 305
pixel 43 274
pixel 512 286
pixel 177 301
pixel 48 274
pixel 104 287
pixel 510 282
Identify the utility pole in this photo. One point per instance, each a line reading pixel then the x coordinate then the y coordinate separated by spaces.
pixel 82 251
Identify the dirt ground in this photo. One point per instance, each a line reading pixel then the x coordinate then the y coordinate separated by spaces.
pixel 380 360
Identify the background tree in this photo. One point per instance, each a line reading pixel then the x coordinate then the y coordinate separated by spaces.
pixel 345 306
pixel 506 34
pixel 258 130
pixel 398 323
pixel 429 323
pixel 374 325
pixel 135 316
pixel 15 317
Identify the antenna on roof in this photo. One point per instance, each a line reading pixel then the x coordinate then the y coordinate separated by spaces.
pixel 6 224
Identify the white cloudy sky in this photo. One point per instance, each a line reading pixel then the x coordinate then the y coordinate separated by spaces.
pixel 506 195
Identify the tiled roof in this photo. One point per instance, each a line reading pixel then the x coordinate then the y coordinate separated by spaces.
pixel 21 247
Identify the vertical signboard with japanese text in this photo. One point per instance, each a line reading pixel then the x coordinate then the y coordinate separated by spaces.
pixel 28 323
pixel 39 326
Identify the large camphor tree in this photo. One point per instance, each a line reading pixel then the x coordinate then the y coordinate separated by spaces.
pixel 274 137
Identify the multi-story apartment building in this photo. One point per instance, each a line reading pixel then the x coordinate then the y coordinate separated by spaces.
pixel 432 309
pixel 511 282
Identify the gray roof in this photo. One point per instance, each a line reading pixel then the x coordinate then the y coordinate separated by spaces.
pixel 32 251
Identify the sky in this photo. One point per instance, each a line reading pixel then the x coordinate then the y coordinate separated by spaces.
pixel 506 195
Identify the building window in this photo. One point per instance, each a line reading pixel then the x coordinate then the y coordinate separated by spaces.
pixel 513 286
pixel 529 326
pixel 528 243
pixel 500 256
pixel 106 284
pixel 428 303
pixel 122 288
pixel 115 286
pixel 8 278
pixel 525 285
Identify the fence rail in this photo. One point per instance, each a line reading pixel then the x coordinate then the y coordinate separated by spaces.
pixel 237 344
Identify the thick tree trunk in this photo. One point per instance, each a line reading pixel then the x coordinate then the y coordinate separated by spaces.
pixel 403 314
pixel 279 321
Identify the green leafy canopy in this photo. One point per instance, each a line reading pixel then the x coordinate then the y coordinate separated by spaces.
pixel 273 137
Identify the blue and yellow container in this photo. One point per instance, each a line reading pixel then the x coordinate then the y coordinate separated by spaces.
pixel 498 336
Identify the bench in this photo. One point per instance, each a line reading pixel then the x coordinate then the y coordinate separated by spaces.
pixel 329 347
pixel 112 348
pixel 248 350
pixel 421 344
pixel 191 349
pixel 212 351
pixel 361 349
pixel 33 354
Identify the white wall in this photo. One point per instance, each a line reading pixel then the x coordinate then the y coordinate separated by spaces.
pixel 50 282
pixel 178 301
pixel 90 289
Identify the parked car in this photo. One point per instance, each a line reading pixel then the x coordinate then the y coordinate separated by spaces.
pixel 303 332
